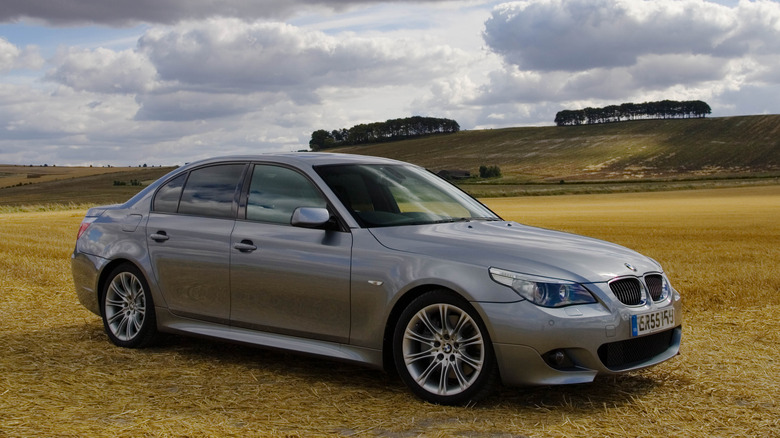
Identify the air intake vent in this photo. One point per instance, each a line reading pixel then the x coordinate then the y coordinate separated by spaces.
pixel 627 290
pixel 655 286
pixel 624 354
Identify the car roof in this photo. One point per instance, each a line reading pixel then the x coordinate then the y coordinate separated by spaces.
pixel 300 158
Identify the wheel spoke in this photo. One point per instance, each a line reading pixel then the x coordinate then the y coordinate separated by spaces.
pixel 423 377
pixel 138 321
pixel 418 337
pixel 443 377
pixel 423 317
pixel 411 358
pixel 114 317
pixel 129 327
pixel 443 311
pixel 114 303
pixel 463 382
pixel 459 326
pixel 118 291
pixel 127 286
pixel 474 340
pixel 475 363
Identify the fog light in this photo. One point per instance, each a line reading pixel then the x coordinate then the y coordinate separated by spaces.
pixel 558 359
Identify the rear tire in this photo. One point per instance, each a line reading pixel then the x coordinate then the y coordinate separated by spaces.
pixel 442 350
pixel 127 308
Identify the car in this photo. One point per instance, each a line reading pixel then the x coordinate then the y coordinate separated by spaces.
pixel 372 261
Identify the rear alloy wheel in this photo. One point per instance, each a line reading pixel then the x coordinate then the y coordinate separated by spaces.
pixel 127 308
pixel 442 350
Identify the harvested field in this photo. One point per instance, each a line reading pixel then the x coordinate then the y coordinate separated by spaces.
pixel 60 376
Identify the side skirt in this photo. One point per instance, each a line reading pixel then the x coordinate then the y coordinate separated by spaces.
pixel 170 323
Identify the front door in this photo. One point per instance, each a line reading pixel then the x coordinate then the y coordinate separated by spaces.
pixel 287 279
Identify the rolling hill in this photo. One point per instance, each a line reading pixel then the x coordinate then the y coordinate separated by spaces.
pixel 636 150
pixel 617 157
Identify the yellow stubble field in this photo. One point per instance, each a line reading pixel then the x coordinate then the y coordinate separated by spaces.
pixel 60 376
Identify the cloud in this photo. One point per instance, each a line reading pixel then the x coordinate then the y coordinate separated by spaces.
pixel 221 67
pixel 103 70
pixel 181 105
pixel 130 12
pixel 206 77
pixel 572 53
pixel 576 35
pixel 231 55
pixel 13 58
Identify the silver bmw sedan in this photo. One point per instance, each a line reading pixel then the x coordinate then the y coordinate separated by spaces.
pixel 372 261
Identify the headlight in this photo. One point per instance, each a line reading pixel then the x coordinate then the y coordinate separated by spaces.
pixel 546 292
pixel 666 289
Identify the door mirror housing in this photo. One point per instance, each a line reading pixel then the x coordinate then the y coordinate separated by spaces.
pixel 310 217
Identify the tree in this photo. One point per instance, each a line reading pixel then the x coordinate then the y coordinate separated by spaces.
pixel 489 171
pixel 319 140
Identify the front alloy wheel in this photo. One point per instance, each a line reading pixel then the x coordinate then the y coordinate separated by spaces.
pixel 442 351
pixel 127 309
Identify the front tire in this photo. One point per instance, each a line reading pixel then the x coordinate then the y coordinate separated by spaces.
pixel 442 350
pixel 127 308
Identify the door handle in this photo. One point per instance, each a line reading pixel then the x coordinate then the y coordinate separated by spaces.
pixel 160 236
pixel 245 246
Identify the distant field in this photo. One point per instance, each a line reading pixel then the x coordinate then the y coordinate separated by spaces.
pixel 72 185
pixel 638 156
pixel 59 375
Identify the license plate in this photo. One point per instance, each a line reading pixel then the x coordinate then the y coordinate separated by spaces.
pixel 652 322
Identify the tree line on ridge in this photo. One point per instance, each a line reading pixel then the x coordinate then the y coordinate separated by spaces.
pixel 378 132
pixel 665 109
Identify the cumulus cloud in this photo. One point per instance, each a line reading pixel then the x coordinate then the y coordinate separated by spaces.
pixel 182 105
pixel 222 67
pixel 103 70
pixel 616 50
pixel 129 12
pixel 574 35
pixel 13 58
pixel 231 55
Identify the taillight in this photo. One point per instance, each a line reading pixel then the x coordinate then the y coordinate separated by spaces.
pixel 84 225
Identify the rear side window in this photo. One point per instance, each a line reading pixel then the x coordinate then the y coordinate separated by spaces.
pixel 167 198
pixel 211 191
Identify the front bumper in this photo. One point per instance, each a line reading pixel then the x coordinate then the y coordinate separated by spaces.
pixel 591 339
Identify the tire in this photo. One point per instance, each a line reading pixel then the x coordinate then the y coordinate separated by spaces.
pixel 127 308
pixel 449 363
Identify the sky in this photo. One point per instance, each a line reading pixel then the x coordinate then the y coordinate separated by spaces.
pixel 130 82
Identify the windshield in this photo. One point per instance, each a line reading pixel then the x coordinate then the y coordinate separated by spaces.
pixel 390 195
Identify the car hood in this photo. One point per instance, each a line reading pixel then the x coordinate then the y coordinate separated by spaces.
pixel 519 248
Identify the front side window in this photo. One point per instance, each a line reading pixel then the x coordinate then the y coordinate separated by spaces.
pixel 211 191
pixel 391 195
pixel 275 192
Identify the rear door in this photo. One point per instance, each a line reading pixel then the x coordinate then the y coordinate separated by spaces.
pixel 189 240
pixel 287 279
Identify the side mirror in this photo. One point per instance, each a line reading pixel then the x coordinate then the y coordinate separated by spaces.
pixel 310 217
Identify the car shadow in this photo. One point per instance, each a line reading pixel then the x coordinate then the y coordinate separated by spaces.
pixel 84 346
